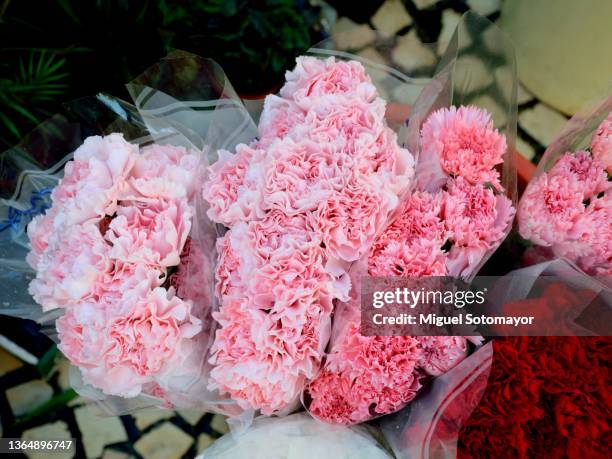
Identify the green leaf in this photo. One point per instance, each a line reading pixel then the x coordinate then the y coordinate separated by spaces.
pixel 47 362
pixel 49 406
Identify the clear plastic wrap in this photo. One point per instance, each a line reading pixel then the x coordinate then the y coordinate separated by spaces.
pixel 32 169
pixel 296 436
pixel 478 68
pixel 430 426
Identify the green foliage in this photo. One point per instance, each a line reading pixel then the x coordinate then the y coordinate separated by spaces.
pixel 55 51
pixel 38 78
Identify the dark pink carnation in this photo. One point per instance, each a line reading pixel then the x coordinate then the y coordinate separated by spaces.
pixel 365 377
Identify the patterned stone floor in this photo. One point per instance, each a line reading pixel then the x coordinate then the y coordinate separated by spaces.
pixel 156 434
pixel 27 390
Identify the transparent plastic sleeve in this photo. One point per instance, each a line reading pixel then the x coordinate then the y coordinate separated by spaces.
pixel 429 427
pixel 478 68
pixel 167 111
pixel 296 436
pixel 576 134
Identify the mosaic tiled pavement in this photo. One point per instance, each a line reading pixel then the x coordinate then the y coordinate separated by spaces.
pixel 36 401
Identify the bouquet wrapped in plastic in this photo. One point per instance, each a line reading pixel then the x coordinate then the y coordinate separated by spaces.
pixel 302 202
pixel 566 209
pixel 101 228
pixel 458 213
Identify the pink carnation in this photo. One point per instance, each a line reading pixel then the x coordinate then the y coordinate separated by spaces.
pixel 464 142
pixel 302 175
pixel 151 233
pixel 549 208
pixel 589 243
pixel 313 78
pixel 412 244
pixel 121 353
pixel 420 258
pixel 350 220
pixel 441 353
pixel 278 118
pixel 95 180
pixel 589 173
pixel 601 143
pixel 366 377
pixel 233 189
pixel 477 221
pixel 165 171
pixel 73 263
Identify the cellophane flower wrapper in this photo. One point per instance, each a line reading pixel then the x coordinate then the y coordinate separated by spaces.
pixel 429 427
pixel 365 377
pixel 566 209
pixel 477 76
pixel 146 138
pixel 296 436
pixel 564 300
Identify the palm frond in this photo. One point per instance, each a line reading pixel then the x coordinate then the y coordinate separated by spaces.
pixel 39 78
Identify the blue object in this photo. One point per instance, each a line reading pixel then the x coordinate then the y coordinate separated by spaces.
pixel 38 204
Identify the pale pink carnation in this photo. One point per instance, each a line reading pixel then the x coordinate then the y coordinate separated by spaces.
pixel 347 124
pixel 39 231
pixel 75 260
pixel 233 188
pixel 278 118
pixel 601 143
pixel 124 278
pixel 302 175
pixel 350 220
pixel 477 221
pixel 465 143
pixel 192 276
pixel 260 361
pixel 82 334
pixel 120 353
pixel 313 78
pixel 151 233
pixel 441 353
pixel 165 171
pixel 94 181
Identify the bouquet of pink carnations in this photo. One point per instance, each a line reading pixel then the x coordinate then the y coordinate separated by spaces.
pixel 566 210
pixel 118 259
pixel 458 213
pixel 443 233
pixel 325 185
pixel 302 202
